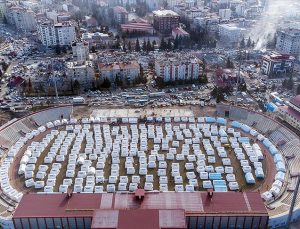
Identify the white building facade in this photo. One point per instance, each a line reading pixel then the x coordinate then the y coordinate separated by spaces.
pixel 288 42
pixel 22 18
pixel 230 33
pixel 80 51
pixel 56 34
pixel 178 68
pixel 81 71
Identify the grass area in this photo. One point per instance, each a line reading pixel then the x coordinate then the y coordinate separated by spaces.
pixel 171 185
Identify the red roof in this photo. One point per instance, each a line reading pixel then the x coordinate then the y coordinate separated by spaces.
pixel 57 205
pixel 296 101
pixel 291 112
pixel 136 219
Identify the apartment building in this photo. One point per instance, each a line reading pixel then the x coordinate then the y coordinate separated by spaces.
pixel 120 15
pixel 128 70
pixel 165 20
pixel 80 51
pixel 179 66
pixel 288 41
pixel 52 34
pixel 277 63
pixel 22 18
pixel 81 71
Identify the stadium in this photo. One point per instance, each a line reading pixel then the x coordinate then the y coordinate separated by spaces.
pixel 226 167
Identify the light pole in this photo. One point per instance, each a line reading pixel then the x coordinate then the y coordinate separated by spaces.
pixel 288 222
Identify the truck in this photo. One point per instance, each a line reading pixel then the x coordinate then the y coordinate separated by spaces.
pixel 78 100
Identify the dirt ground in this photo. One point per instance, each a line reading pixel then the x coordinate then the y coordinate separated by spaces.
pixel 262 185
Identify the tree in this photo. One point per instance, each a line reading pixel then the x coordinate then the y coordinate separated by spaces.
pixel 249 43
pixel 137 46
pixel 144 47
pixel 153 44
pixel 64 49
pixel 242 43
pixel 106 83
pixel 229 63
pixel 129 46
pixel 124 47
pixel 163 44
pixel 149 47
pixel 118 81
pixel 176 42
pixel 76 86
pixel 128 6
pixel 30 88
pixel 5 20
pixel 169 44
pixel 58 49
pixel 93 49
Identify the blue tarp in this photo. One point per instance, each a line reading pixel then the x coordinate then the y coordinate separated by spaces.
pixel 210 119
pixel 280 176
pixel 245 128
pixel 221 121
pixel 278 157
pixel 271 107
pixel 215 176
pixel 236 124
pixel 273 150
pixel 220 186
pixel 280 167
pixel 243 140
pixel 267 142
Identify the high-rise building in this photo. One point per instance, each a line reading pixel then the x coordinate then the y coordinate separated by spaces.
pixel 120 15
pixel 176 67
pixel 22 18
pixel 52 34
pixel 288 41
pixel 165 20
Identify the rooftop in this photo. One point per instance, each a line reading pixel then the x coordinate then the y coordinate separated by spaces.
pixel 296 101
pixel 84 204
pixel 164 13
pixel 136 219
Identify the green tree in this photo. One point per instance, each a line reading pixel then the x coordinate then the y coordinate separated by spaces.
pixel 169 44
pixel 128 7
pixel 229 63
pixel 137 45
pixel 242 43
pixel 149 47
pixel 249 43
pixel 76 86
pixel 106 83
pixel 176 42
pixel 129 46
pixel 93 49
pixel 58 49
pixel 163 44
pixel 153 44
pixel 144 46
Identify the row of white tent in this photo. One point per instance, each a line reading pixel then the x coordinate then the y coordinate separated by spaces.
pixel 280 176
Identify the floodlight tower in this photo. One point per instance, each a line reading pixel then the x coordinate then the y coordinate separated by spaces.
pixel 288 222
